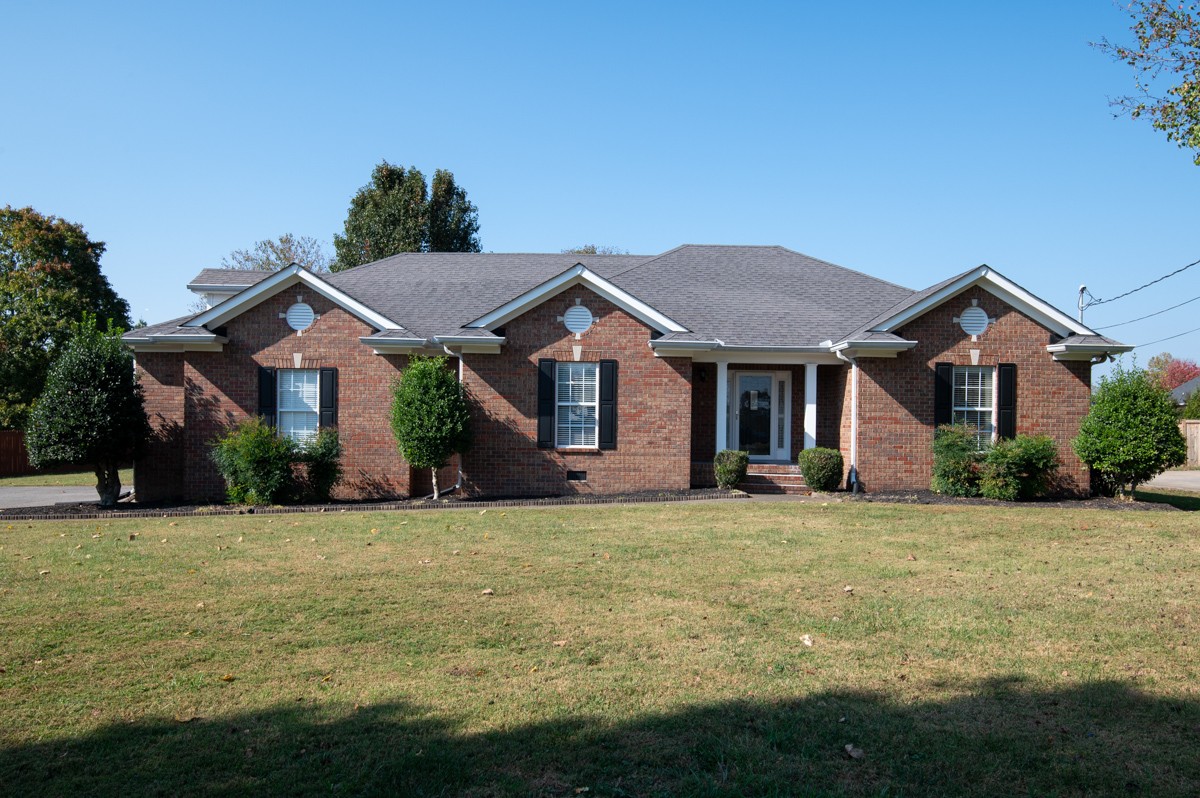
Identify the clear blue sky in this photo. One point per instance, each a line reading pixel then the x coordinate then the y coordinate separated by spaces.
pixel 908 140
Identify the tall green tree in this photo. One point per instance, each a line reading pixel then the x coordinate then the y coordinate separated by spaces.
pixel 430 415
pixel 398 212
pixel 91 411
pixel 273 254
pixel 1166 67
pixel 50 277
pixel 1131 434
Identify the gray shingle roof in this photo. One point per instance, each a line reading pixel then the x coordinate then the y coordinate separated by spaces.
pixel 233 278
pixel 167 329
pixel 740 295
pixel 1181 394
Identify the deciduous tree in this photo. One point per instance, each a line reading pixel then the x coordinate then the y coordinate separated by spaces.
pixel 273 254
pixel 396 212
pixel 430 416
pixel 595 249
pixel 1166 66
pixel 91 411
pixel 1170 372
pixel 49 278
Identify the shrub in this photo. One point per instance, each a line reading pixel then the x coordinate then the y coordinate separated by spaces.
pixel 730 466
pixel 91 409
pixel 1131 434
pixel 1022 468
pixel 323 458
pixel 956 460
pixel 1192 408
pixel 822 468
pixel 256 463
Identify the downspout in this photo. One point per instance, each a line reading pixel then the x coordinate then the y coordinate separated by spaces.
pixel 853 476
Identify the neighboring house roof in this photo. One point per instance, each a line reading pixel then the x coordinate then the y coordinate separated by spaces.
pixel 226 279
pixel 695 296
pixel 1181 394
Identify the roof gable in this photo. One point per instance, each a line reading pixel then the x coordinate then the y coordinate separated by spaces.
pixel 280 281
pixel 989 280
pixel 577 275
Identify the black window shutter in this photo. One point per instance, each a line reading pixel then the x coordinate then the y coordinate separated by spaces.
pixel 266 394
pixel 546 391
pixel 329 398
pixel 1007 426
pixel 943 394
pixel 608 404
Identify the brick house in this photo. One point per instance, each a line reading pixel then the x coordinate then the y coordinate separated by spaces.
pixel 614 373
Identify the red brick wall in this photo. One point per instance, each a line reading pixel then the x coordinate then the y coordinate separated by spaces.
pixel 653 408
pixel 896 396
pixel 206 392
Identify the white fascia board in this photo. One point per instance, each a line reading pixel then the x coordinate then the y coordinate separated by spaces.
pixel 1086 351
pixel 280 281
pixel 576 275
pixel 682 347
pixel 990 280
pixel 872 348
pixel 167 345
pixel 469 340
pixel 221 288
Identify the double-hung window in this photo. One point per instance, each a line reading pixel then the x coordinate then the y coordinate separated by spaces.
pixel 298 403
pixel 577 391
pixel 974 399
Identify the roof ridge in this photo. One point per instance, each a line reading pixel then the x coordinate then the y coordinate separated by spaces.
pixel 652 258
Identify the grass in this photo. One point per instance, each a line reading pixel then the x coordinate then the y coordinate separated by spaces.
pixel 649 651
pixel 71 479
pixel 1181 499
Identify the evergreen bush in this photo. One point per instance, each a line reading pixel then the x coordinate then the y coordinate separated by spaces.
pixel 822 468
pixel 323 460
pixel 1019 469
pixel 956 459
pixel 256 463
pixel 730 467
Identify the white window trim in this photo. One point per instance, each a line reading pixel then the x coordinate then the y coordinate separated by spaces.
pixel 558 405
pixel 994 409
pixel 279 411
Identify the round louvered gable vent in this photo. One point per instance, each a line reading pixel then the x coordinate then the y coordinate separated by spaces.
pixel 300 316
pixel 974 321
pixel 578 319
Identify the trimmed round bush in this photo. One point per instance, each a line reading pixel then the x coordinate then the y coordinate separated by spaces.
pixel 730 468
pixel 822 468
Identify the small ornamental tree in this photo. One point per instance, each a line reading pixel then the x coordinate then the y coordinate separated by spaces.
pixel 1132 432
pixel 430 416
pixel 91 410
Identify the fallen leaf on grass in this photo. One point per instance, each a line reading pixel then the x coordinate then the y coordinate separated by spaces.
pixel 847 589
pixel 560 643
pixel 42 573
pixel 488 592
pixel 133 535
pixel 229 677
pixel 911 558
pixel 854 752
pixel 806 640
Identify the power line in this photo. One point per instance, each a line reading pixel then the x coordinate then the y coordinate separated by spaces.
pixel 1151 315
pixel 1168 338
pixel 1140 287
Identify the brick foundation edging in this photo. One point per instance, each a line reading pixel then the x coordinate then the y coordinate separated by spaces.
pixel 201 512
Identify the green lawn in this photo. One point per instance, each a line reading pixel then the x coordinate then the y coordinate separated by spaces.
pixel 73 479
pixel 652 651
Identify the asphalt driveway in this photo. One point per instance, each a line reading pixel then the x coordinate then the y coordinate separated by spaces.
pixel 42 497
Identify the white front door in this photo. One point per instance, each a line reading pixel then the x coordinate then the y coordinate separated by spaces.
pixel 761 418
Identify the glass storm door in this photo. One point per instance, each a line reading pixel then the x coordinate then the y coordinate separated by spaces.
pixel 754 416
pixel 761 426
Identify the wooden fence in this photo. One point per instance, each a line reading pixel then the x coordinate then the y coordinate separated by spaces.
pixel 13 459
pixel 1191 430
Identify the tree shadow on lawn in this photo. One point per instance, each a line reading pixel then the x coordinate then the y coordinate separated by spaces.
pixel 1103 738
pixel 1178 499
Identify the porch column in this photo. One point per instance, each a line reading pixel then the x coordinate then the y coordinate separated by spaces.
pixel 722 406
pixel 810 405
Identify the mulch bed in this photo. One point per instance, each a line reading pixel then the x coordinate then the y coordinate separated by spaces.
pixel 929 497
pixel 92 510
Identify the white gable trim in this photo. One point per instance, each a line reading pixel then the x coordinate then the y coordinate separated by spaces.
pixel 995 283
pixel 279 281
pixel 578 275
